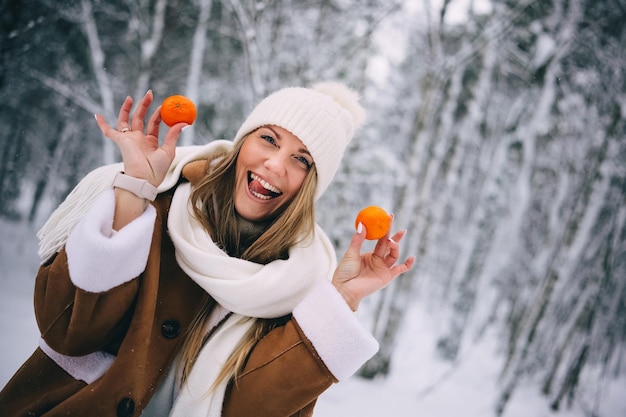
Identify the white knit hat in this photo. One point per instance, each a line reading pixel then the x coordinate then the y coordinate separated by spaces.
pixel 324 117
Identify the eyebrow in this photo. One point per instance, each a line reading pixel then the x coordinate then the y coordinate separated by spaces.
pixel 303 150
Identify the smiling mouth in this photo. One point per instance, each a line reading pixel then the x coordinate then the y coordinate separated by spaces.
pixel 261 188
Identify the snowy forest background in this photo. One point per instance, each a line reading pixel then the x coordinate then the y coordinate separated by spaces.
pixel 496 134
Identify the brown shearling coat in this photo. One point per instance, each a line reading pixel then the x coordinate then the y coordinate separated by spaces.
pixel 144 322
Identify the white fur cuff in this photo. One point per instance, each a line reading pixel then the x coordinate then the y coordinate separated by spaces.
pixel 99 259
pixel 86 368
pixel 334 330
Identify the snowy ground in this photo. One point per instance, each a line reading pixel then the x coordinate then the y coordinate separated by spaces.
pixel 419 385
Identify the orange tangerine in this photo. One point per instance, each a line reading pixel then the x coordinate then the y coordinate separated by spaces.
pixel 376 222
pixel 178 109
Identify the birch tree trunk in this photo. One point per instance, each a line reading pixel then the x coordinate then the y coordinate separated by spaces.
pixel 196 59
pixel 97 56
pixel 151 37
pixel 253 59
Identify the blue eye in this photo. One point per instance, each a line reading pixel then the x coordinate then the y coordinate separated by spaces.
pixel 269 139
pixel 304 161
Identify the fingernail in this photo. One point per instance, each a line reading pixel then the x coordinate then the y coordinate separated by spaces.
pixel 359 228
pixel 148 92
pixel 95 116
pixel 184 128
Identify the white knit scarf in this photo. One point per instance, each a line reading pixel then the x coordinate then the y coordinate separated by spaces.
pixel 248 289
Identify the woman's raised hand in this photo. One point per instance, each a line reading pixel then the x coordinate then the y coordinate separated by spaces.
pixel 139 143
pixel 359 275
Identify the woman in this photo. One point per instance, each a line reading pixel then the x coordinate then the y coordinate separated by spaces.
pixel 197 282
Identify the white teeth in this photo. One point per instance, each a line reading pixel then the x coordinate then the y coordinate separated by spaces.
pixel 265 184
pixel 261 196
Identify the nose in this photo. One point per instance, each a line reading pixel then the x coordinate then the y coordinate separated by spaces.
pixel 276 164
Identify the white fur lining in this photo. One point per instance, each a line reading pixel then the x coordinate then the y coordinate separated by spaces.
pixel 100 260
pixel 53 234
pixel 87 368
pixel 334 330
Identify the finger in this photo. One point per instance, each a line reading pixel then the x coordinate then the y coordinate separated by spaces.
pixel 357 240
pixel 402 268
pixel 397 237
pixel 124 114
pixel 389 248
pixel 105 128
pixel 393 253
pixel 382 246
pixel 171 138
pixel 154 123
pixel 137 122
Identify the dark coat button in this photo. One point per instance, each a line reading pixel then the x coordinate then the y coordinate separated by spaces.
pixel 126 407
pixel 170 329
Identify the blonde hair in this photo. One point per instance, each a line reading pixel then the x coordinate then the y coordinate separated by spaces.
pixel 213 205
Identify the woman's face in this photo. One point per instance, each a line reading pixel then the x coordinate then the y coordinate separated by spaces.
pixel 270 169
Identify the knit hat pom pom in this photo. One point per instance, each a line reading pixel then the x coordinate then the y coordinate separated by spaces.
pixel 345 97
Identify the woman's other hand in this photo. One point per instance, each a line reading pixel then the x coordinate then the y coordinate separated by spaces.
pixel 359 275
